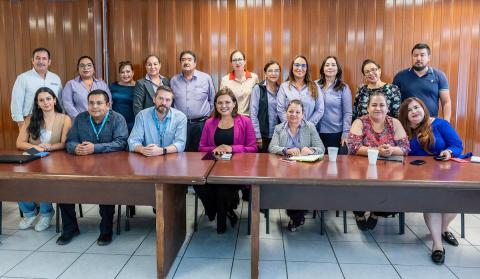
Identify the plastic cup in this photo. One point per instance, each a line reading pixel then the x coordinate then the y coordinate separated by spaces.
pixel 372 156
pixel 332 154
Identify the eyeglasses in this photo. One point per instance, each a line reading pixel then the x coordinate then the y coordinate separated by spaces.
pixel 98 103
pixel 186 60
pixel 275 71
pixel 373 70
pixel 298 66
pixel 238 60
pixel 85 66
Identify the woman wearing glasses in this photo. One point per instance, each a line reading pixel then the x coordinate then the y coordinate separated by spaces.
pixel 373 83
pixel 74 95
pixel 240 81
pixel 300 86
pixel 263 105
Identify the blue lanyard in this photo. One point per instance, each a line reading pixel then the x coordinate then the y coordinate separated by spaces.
pixel 160 128
pixel 97 133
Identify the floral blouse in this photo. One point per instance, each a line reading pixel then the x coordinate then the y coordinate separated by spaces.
pixel 370 138
pixel 391 91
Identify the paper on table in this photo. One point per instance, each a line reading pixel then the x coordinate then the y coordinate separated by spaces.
pixel 306 158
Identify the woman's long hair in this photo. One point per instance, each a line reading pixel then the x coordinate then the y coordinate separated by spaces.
pixel 37 121
pixel 423 131
pixel 308 80
pixel 339 84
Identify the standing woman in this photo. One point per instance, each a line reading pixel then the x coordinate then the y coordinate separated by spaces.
pixel 145 88
pixel 300 86
pixel 74 95
pixel 45 130
pixel 431 136
pixel 372 74
pixel 240 81
pixel 263 105
pixel 336 121
pixel 122 93
pixel 226 132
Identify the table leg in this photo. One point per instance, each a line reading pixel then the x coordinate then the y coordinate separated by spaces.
pixel 170 225
pixel 255 230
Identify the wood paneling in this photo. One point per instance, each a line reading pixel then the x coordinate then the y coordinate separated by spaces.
pixel 384 30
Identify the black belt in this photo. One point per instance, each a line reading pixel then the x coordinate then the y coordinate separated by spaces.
pixel 197 120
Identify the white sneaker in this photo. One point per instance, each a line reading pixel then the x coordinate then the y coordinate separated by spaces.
pixel 44 222
pixel 26 222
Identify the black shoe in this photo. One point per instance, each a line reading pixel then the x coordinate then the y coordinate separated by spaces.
pixel 232 216
pixel 450 238
pixel 372 223
pixel 361 223
pixel 154 210
pixel 131 211
pixel 246 194
pixel 438 256
pixel 104 239
pixel 292 226
pixel 64 239
pixel 221 228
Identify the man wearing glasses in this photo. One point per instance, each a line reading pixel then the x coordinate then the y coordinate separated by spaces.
pixel 194 92
pixel 97 130
pixel 29 82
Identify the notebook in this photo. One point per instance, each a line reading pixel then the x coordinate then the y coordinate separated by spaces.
pixel 17 159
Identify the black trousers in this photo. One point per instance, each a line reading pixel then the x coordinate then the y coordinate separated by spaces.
pixel 194 133
pixel 331 140
pixel 296 215
pixel 217 200
pixel 377 213
pixel 69 218
pixel 265 144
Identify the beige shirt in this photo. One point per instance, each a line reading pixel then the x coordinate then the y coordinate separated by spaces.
pixel 241 89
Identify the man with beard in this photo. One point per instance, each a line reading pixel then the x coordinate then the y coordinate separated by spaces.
pixel 160 129
pixel 424 82
pixel 194 93
pixel 29 82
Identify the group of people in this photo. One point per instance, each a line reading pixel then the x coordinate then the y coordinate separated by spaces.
pixel 155 116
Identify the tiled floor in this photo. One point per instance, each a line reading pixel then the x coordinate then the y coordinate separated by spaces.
pixel 381 253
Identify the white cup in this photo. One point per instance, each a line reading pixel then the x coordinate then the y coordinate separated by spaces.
pixel 332 169
pixel 372 172
pixel 332 154
pixel 372 156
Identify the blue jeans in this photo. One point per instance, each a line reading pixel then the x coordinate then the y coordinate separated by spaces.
pixel 29 209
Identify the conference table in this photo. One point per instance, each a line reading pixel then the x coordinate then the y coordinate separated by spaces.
pixel 350 184
pixel 114 178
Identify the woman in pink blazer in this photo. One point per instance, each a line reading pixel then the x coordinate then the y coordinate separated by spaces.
pixel 225 132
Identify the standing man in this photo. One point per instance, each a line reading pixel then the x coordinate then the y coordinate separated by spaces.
pixel 160 129
pixel 29 82
pixel 97 130
pixel 424 82
pixel 194 93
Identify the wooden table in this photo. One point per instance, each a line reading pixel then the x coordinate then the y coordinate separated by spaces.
pixel 114 178
pixel 350 184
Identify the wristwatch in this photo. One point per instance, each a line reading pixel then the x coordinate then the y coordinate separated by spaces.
pixel 164 149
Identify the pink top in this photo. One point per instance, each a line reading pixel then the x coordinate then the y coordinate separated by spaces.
pixel 243 135
pixel 370 138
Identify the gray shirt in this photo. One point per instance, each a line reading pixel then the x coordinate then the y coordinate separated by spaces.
pixel 338 111
pixel 193 97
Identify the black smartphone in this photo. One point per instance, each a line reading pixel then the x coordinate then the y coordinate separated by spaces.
pixel 417 162
pixel 440 158
pixel 210 156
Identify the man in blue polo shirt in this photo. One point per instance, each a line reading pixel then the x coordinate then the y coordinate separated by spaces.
pixel 424 82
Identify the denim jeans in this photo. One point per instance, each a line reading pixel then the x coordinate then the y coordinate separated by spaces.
pixel 29 209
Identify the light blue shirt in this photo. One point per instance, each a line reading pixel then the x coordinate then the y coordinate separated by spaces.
pixel 338 111
pixel 75 95
pixel 312 109
pixel 145 131
pixel 193 97
pixel 24 89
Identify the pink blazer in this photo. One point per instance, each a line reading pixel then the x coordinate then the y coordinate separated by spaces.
pixel 243 135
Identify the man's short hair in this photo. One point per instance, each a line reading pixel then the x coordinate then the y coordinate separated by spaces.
pixel 421 46
pixel 188 52
pixel 38 49
pixel 163 88
pixel 99 92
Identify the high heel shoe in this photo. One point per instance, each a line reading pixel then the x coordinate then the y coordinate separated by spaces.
pixel 232 216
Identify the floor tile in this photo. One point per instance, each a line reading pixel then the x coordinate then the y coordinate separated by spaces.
pixel 10 258
pixel 139 267
pixel 423 234
pixel 424 272
pixel 335 233
pixel 88 266
pixel 202 268
pixel 27 240
pixel 275 229
pixel 466 272
pixel 138 225
pixel 268 269
pixel 270 249
pixel 209 244
pixel 79 244
pixel 308 270
pixel 359 252
pixel 124 244
pixel 311 251
pixel 462 256
pixel 367 271
pixel 472 235
pixel 407 254
pixel 43 265
pixel 309 231
pixel 389 234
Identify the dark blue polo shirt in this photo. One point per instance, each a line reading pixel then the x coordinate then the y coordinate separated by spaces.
pixel 427 87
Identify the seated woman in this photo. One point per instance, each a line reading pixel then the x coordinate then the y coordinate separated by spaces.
pixel 45 130
pixel 378 131
pixel 225 132
pixel 431 136
pixel 295 136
